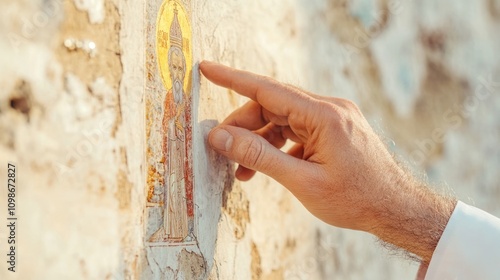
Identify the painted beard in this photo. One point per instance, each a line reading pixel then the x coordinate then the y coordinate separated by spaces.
pixel 177 90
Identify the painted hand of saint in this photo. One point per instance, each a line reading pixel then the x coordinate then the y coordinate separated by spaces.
pixel 339 168
pixel 180 129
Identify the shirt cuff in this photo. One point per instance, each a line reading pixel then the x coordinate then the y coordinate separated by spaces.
pixel 469 247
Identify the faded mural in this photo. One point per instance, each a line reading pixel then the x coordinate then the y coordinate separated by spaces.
pixel 170 210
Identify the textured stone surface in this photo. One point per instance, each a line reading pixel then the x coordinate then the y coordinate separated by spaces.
pixel 426 74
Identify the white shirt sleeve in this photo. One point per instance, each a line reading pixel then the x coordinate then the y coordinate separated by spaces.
pixel 469 247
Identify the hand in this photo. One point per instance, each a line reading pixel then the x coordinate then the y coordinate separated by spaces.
pixel 179 128
pixel 339 168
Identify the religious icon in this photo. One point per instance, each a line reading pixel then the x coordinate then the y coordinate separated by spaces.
pixel 170 176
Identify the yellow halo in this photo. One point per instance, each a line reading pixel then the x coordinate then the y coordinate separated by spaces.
pixel 165 17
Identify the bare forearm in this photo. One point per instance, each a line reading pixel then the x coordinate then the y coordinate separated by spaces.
pixel 413 217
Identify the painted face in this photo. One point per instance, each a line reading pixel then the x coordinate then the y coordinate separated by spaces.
pixel 177 67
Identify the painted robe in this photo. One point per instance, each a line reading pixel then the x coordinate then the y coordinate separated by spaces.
pixel 175 220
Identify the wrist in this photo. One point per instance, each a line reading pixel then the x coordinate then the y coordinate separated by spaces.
pixel 413 217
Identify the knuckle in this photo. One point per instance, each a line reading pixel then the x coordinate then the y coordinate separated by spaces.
pixel 348 103
pixel 329 111
pixel 341 116
pixel 350 106
pixel 252 151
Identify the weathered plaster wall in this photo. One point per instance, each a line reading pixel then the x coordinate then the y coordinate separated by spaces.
pixel 74 124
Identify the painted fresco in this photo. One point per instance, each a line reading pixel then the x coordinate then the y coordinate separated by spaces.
pixel 170 201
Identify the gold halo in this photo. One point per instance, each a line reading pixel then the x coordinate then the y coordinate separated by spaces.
pixel 165 17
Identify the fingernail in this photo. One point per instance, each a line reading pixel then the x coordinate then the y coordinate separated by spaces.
pixel 221 140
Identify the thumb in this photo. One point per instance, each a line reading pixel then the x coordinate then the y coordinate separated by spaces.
pixel 254 152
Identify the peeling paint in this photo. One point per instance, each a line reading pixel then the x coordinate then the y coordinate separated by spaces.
pixel 256 263
pixel 192 265
pixel 236 205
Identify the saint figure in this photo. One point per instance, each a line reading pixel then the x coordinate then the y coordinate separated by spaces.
pixel 175 216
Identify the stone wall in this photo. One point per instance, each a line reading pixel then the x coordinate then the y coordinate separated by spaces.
pixel 72 118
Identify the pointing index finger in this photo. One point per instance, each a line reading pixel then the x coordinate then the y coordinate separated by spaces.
pixel 275 97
